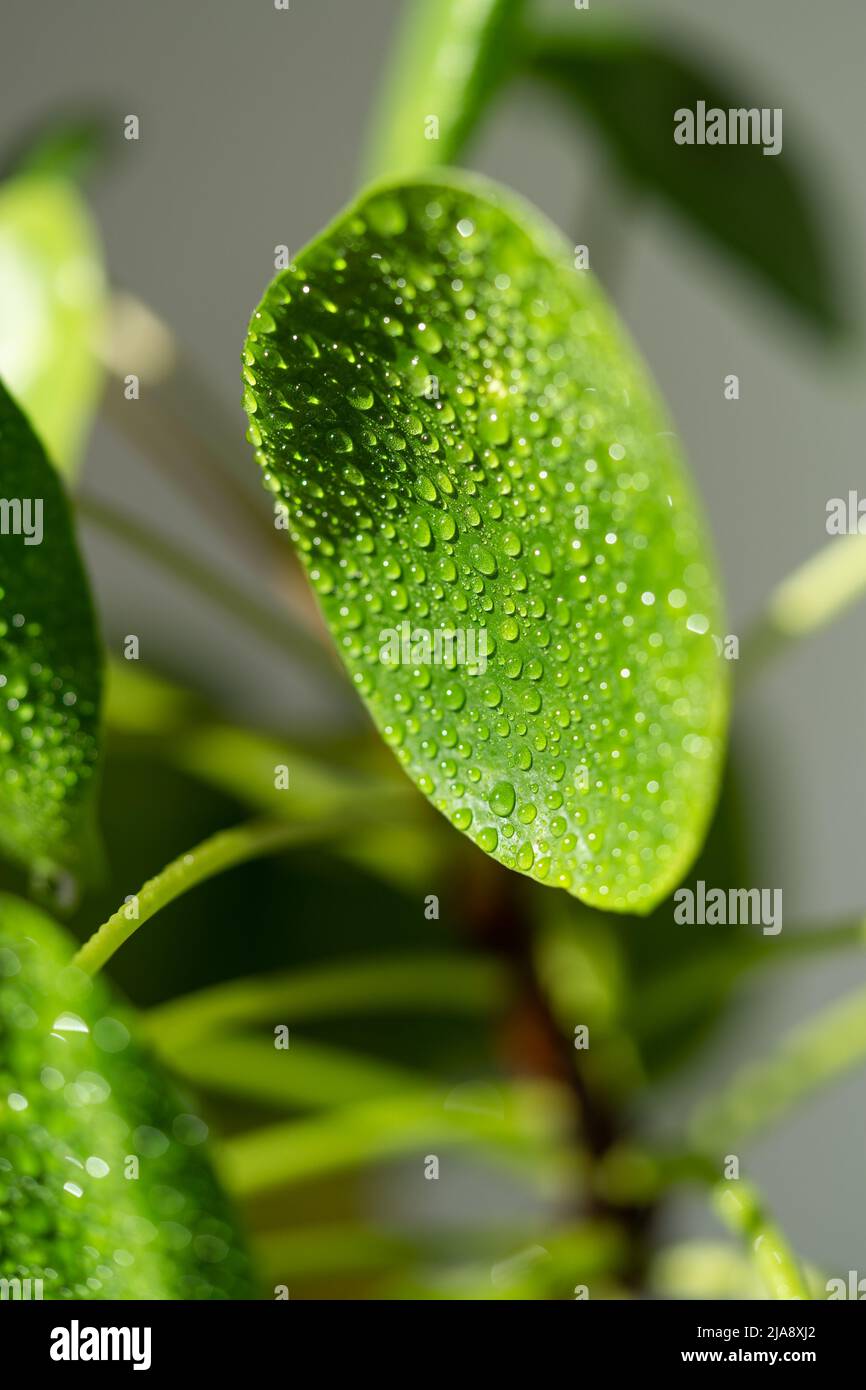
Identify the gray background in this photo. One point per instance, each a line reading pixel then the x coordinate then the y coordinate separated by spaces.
pixel 251 126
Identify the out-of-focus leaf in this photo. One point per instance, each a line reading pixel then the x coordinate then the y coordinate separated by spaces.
pixel 758 208
pixel 450 60
pixel 67 146
pixel 817 593
pixel 811 1056
pixel 413 984
pixel 52 295
pixel 741 1209
pixel 515 1125
pixel 304 1074
pixel 50 663
pixel 534 502
pixel 138 701
pixel 79 1098
pixel 704 1270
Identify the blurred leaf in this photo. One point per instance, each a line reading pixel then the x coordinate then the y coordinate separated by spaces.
pixel 451 58
pixel 304 1075
pixel 574 755
pixel 672 996
pixel 315 1252
pixel 812 1055
pixel 50 661
pixel 67 146
pixel 816 594
pixel 742 1210
pixel 138 701
pixel 413 984
pixel 52 296
pixel 704 1270
pixel 80 1097
pixel 547 1267
pixel 244 763
pixel 759 209
pixel 515 1125
pixel 439 1256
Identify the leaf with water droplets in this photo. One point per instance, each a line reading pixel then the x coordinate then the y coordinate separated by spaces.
pixel 492 508
pixel 52 296
pixel 80 1099
pixel 50 663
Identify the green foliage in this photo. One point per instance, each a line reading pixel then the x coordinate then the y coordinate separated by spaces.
pixel 536 499
pixel 50 662
pixel 460 438
pixel 68 146
pixel 52 299
pixel 758 209
pixel 79 1097
pixel 450 61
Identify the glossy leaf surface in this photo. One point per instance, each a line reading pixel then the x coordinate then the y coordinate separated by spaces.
pixel 466 443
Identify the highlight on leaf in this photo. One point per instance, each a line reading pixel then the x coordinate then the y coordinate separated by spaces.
pixel 492 508
pixel 52 299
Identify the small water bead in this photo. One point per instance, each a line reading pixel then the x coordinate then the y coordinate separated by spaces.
pixel 488 838
pixel 502 799
pixel 483 559
pixel 425 489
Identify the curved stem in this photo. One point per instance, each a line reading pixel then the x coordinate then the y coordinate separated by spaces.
pixel 212 856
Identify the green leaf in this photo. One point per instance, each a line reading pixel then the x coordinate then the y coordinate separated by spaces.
pixel 515 1125
pixel 50 663
pixel 69 145
pixel 79 1097
pixel 450 60
pixel 466 442
pixel 740 1207
pixel 415 984
pixel 305 1075
pixel 759 209
pixel 52 296
pixel 810 1057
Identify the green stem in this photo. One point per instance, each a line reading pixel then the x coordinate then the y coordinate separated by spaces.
pixel 222 851
pixel 276 628
pixel 741 1209
pixel 809 599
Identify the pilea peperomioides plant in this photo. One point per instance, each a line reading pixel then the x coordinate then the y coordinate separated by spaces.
pixel 489 501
